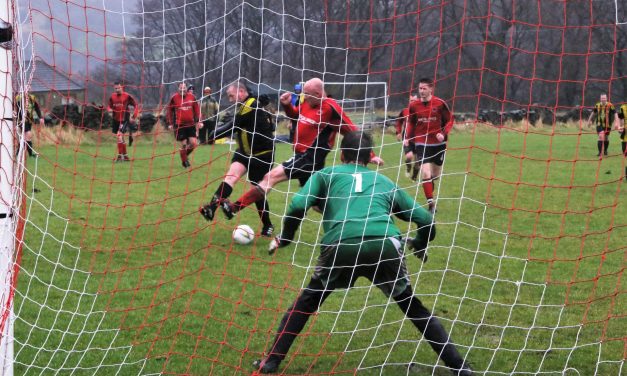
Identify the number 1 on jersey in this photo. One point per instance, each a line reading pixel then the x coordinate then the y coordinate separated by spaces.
pixel 358 183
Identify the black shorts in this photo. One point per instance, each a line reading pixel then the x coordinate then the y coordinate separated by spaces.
pixel 430 154
pixel 185 131
pixel 120 126
pixel 409 148
pixel 257 166
pixel 27 126
pixel 302 165
pixel 601 128
pixel 381 260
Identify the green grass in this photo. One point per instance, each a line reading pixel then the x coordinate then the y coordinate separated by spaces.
pixel 120 274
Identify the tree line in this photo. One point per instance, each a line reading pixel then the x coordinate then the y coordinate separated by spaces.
pixel 497 55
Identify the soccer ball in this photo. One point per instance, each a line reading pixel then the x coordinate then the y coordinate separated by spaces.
pixel 243 234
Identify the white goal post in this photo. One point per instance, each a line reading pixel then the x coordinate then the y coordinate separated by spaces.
pixel 361 100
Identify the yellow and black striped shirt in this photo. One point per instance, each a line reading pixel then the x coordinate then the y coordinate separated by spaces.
pixel 604 114
pixel 622 114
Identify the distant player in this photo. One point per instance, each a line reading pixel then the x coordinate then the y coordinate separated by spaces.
pixel 209 112
pixel 621 124
pixel 31 115
pixel 254 131
pixel 604 113
pixel 430 121
pixel 319 120
pixel 401 125
pixel 183 115
pixel 360 240
pixel 119 108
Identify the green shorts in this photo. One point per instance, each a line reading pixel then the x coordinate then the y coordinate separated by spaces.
pixel 381 260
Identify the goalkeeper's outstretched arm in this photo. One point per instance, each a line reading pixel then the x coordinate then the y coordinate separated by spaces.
pixel 405 208
pixel 307 197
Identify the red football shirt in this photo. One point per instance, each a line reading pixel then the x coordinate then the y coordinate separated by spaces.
pixel 426 119
pixel 313 121
pixel 119 104
pixel 183 109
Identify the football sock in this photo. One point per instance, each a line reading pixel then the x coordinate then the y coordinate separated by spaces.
pixel 253 195
pixel 600 146
pixel 183 153
pixel 607 144
pixel 264 211
pixel 224 190
pixel 29 147
pixel 190 149
pixel 427 186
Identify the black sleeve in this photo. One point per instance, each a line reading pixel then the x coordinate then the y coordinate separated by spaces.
pixel 221 131
pixel 37 109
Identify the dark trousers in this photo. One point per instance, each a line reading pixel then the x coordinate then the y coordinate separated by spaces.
pixel 312 297
pixel 208 127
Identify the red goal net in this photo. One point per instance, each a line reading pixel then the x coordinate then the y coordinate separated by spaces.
pixel 114 271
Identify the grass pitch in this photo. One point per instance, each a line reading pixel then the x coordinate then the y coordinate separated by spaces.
pixel 121 275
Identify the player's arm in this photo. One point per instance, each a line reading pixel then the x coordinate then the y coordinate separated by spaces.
pixel 290 111
pixel 405 208
pixel 306 197
pixel 447 121
pixel 410 126
pixel 224 130
pixel 400 122
pixel 38 112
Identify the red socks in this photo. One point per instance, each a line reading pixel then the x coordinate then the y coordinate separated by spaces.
pixel 253 195
pixel 427 186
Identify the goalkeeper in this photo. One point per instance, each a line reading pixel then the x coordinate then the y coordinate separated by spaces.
pixel 360 240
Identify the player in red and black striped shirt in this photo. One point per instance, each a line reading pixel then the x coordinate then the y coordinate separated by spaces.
pixel 119 104
pixel 430 121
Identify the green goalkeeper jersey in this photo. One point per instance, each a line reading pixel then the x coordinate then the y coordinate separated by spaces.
pixel 358 203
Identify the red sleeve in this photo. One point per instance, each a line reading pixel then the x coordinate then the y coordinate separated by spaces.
pixel 290 111
pixel 447 119
pixel 345 123
pixel 400 121
pixel 411 123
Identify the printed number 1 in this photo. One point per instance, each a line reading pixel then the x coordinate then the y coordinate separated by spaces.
pixel 358 182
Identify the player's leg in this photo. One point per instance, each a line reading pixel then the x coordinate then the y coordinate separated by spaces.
pixel 119 140
pixel 292 323
pixel 606 141
pixel 257 192
pixel 600 140
pixel 192 143
pixel 432 330
pixel 409 159
pixel 236 170
pixel 28 137
pixel 258 168
pixel 183 154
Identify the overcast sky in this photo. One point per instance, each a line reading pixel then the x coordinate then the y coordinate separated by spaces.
pixel 74 34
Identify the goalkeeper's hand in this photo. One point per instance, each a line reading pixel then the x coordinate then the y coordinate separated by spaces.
pixel 277 243
pixel 419 244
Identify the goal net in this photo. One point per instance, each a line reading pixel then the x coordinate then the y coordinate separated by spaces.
pixel 109 269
